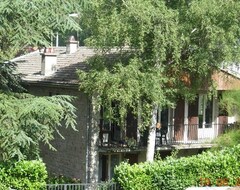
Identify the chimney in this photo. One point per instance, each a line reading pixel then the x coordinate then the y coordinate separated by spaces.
pixel 49 61
pixel 72 45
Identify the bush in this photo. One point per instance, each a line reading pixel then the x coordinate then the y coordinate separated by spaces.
pixel 230 138
pixel 217 168
pixel 23 175
pixel 3 187
pixel 133 177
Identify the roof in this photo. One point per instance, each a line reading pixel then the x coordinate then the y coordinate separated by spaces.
pixel 226 80
pixel 67 64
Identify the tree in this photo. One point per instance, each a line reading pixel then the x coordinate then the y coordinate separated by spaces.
pixel 33 23
pixel 166 50
pixel 25 120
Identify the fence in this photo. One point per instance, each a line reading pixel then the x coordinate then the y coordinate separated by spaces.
pixel 83 186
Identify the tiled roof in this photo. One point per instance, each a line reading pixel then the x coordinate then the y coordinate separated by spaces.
pixel 67 64
pixel 30 66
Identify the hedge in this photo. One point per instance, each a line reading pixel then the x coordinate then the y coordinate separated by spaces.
pixel 218 168
pixel 3 187
pixel 23 175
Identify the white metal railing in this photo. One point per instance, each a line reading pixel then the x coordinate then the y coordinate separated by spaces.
pixel 83 186
pixel 190 134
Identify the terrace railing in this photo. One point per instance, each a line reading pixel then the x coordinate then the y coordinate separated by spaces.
pixel 189 134
pixel 118 139
pixel 170 135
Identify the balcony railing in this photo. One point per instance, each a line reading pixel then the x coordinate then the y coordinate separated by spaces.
pixel 132 143
pixel 171 135
pixel 112 138
pixel 189 134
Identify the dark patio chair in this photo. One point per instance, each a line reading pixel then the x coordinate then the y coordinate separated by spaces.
pixel 163 135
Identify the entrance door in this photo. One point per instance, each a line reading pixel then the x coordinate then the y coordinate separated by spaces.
pixel 107 164
pixel 103 167
pixel 205 117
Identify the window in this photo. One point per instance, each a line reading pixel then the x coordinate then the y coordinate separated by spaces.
pixel 205 111
pixel 109 129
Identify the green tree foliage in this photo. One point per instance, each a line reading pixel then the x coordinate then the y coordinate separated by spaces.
pixel 25 120
pixel 230 102
pixel 9 80
pixel 24 175
pixel 165 49
pixel 33 23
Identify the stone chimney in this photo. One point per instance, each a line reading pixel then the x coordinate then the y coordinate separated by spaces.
pixel 49 62
pixel 72 45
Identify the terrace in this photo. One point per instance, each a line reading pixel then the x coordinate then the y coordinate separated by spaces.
pixel 114 137
pixel 189 134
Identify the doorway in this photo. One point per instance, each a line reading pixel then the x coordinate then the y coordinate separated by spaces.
pixel 206 118
pixel 107 164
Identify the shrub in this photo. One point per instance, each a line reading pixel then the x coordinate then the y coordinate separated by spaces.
pixel 23 175
pixel 209 168
pixel 3 187
pixel 133 177
pixel 230 138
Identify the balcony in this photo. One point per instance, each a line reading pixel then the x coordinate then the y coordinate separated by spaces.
pixel 189 134
pixel 114 138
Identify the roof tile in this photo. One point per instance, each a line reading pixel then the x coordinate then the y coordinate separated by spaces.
pixel 67 64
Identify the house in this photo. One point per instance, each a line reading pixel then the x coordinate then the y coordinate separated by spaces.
pixel 92 153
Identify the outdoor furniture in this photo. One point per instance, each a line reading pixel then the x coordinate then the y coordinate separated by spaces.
pixel 161 135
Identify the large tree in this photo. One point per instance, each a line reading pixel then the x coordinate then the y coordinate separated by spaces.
pixel 166 49
pixel 25 120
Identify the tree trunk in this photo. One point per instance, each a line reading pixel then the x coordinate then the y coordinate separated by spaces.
pixel 152 137
pixel 92 152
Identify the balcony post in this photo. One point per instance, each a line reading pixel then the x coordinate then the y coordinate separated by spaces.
pixel 171 116
pixel 215 116
pixel 185 137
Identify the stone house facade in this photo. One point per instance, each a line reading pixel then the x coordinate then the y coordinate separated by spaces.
pixel 53 72
pixel 92 152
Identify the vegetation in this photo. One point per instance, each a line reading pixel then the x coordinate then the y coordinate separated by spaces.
pixel 30 23
pixel 3 187
pixel 230 138
pixel 24 175
pixel 230 102
pixel 165 50
pixel 25 120
pixel 219 168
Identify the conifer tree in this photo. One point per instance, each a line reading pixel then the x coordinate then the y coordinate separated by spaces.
pixel 25 120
